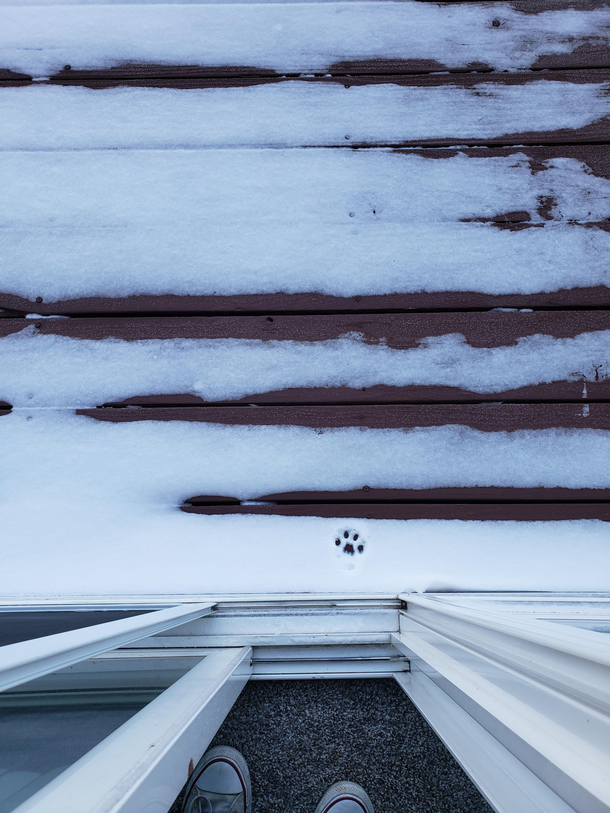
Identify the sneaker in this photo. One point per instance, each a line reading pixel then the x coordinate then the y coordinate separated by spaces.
pixel 219 784
pixel 345 797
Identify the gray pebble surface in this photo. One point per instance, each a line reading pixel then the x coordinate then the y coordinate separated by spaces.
pixel 301 736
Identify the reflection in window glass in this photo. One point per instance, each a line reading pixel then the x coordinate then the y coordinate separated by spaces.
pixel 23 626
pixel 37 743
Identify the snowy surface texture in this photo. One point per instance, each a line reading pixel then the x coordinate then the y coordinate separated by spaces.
pixel 288 38
pixel 80 496
pixel 117 223
pixel 43 370
pixel 290 114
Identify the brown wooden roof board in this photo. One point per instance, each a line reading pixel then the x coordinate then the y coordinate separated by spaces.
pixel 398 330
pixel 598 131
pixel 558 391
pixel 537 6
pixel 490 417
pixel 593 55
pixel 597 297
pixel 402 331
pixel 361 73
pixel 593 52
pixel 596 157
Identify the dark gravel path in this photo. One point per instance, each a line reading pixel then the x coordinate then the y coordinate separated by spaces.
pixel 301 736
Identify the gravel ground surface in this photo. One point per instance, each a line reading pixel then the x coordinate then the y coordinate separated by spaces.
pixel 301 736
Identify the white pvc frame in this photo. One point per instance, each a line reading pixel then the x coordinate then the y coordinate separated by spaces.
pixel 32 659
pixel 507 784
pixel 523 703
pixel 143 765
pixel 542 690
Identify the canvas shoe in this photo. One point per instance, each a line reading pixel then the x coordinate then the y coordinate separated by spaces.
pixel 345 797
pixel 220 783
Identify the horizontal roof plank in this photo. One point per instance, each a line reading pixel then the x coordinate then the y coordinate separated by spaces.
pixel 156 459
pixel 493 328
pixel 339 358
pixel 554 107
pixel 559 391
pixel 313 303
pixel 107 492
pixel 306 230
pixel 303 37
pixel 490 417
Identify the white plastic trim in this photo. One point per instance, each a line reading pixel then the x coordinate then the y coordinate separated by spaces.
pixel 141 767
pixel 523 704
pixel 571 640
pixel 32 659
pixel 507 784
pixel 541 689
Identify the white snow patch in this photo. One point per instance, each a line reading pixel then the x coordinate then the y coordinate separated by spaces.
pixel 119 223
pixel 289 37
pixel 91 507
pixel 290 114
pixel 93 550
pixel 168 461
pixel 46 370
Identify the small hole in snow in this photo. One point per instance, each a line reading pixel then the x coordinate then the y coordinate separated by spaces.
pixel 269 319
pixel 351 214
pixel 345 534
pixel 360 548
pixel 496 23
pixel 337 541
pixel 355 537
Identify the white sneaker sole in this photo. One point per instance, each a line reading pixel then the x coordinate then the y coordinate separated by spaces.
pixel 345 790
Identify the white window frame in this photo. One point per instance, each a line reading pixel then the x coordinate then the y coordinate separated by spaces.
pixel 516 685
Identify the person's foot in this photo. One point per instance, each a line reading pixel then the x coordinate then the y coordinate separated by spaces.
pixel 220 783
pixel 345 797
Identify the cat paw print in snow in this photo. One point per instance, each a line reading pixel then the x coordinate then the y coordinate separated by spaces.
pixel 349 548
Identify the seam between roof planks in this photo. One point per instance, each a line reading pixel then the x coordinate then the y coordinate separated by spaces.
pixel 307 304
pixel 233 76
pixel 127 315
